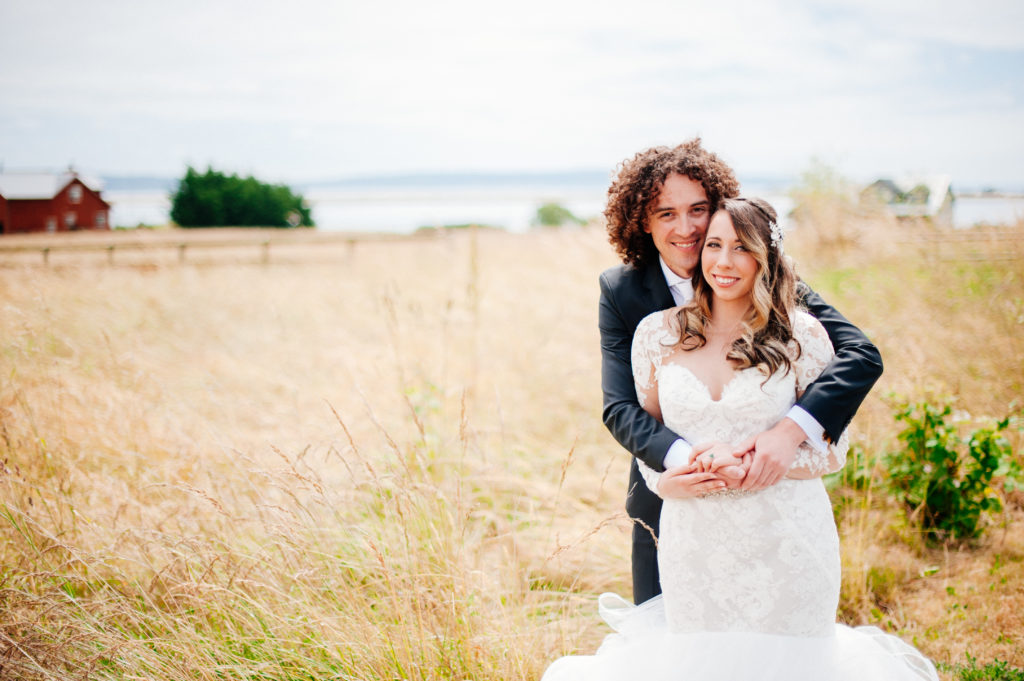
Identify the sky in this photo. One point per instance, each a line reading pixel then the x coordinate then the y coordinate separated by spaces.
pixel 310 90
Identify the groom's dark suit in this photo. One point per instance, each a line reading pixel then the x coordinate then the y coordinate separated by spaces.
pixel 628 294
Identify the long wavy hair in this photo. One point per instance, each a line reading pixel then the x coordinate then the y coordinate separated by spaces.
pixel 639 181
pixel 767 337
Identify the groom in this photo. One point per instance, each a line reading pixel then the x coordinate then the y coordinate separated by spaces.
pixel 658 210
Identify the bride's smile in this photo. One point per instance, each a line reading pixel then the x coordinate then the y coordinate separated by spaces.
pixel 727 264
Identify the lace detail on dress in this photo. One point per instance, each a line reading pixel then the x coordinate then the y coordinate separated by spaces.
pixel 650 476
pixel 652 341
pixel 816 353
pixel 750 579
pixel 765 561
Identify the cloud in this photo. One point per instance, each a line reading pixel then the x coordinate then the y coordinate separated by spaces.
pixel 309 87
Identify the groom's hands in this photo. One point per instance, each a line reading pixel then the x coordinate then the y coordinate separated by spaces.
pixel 773 453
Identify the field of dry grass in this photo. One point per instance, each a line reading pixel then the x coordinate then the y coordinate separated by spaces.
pixel 388 462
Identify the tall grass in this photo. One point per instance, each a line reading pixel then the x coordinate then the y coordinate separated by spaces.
pixel 343 471
pixel 947 312
pixel 391 464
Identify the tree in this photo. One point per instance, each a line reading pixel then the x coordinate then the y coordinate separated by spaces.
pixel 213 199
pixel 555 215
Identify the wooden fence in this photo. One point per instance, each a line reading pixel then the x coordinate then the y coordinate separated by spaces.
pixel 967 245
pixel 181 246
pixel 263 245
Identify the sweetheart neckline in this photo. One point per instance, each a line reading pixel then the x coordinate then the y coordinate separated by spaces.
pixel 707 390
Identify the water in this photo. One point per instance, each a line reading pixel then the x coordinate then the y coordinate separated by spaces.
pixel 970 210
pixel 403 210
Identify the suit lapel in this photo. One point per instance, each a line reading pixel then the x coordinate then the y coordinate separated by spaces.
pixel 658 295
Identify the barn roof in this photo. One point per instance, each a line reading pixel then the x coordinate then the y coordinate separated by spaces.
pixel 41 185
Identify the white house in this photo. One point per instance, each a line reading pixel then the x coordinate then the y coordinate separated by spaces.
pixel 928 197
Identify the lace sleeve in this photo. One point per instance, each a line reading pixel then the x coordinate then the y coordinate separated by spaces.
pixel 815 350
pixel 815 353
pixel 650 343
pixel 651 476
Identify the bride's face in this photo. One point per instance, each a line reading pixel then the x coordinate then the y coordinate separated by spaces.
pixel 728 267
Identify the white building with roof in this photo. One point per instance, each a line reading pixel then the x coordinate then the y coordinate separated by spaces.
pixel 929 197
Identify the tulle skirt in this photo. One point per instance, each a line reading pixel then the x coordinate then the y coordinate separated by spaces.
pixel 643 649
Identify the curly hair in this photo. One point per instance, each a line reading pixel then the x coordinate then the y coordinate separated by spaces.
pixel 767 338
pixel 638 182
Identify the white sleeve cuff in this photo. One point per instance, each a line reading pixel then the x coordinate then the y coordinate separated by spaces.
pixel 678 454
pixel 814 430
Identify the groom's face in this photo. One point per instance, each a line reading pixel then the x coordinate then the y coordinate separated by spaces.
pixel 677 221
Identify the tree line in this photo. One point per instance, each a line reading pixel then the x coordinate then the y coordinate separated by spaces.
pixel 213 199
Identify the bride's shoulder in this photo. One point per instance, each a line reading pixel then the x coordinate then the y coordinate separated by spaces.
pixel 658 330
pixel 809 332
pixel 661 320
pixel 806 324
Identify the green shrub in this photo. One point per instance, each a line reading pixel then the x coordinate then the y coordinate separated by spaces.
pixel 945 478
pixel 998 670
pixel 213 199
pixel 555 215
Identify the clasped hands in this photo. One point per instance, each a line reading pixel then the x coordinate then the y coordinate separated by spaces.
pixel 754 464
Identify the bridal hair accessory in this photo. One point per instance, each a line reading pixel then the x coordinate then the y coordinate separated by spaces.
pixel 776 235
pixel 776 230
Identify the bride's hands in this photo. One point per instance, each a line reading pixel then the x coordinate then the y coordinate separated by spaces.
pixel 713 466
pixel 683 482
pixel 722 459
pixel 714 457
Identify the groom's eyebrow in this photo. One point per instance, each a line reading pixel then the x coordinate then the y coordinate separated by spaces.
pixel 704 202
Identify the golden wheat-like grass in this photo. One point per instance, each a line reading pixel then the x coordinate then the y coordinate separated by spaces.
pixel 387 461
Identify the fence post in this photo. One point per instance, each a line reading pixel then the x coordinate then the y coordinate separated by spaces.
pixel 266 251
pixel 110 254
pixel 181 253
pixel 46 255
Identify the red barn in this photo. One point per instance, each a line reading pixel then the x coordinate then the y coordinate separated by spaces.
pixel 49 202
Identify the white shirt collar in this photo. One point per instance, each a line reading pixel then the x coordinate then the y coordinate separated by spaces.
pixel 671 277
pixel 681 288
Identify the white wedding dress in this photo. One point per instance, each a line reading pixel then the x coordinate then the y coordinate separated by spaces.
pixel 750 580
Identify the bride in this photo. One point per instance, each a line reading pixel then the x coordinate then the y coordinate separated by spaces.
pixel 750 579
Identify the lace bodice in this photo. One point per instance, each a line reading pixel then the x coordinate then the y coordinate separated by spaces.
pixel 764 561
pixel 748 404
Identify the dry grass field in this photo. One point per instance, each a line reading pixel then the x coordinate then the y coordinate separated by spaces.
pixel 387 461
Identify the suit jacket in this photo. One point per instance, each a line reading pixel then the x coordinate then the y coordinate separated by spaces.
pixel 628 294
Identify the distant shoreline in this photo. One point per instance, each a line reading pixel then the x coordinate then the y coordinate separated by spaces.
pixel 988 195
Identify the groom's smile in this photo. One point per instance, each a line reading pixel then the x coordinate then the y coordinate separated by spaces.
pixel 677 220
